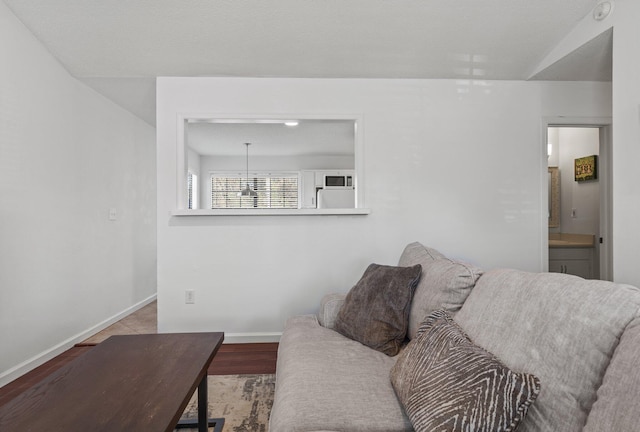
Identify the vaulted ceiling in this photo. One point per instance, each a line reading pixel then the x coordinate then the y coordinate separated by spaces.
pixel 119 46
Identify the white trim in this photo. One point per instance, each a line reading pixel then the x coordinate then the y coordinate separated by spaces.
pixel 181 130
pixel 181 164
pixel 43 357
pixel 544 198
pixel 562 121
pixel 605 250
pixel 234 338
pixel 272 212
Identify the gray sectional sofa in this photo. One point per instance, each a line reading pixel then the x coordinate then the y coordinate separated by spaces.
pixel 580 338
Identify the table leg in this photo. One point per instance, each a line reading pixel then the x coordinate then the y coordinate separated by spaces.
pixel 203 406
pixel 203 422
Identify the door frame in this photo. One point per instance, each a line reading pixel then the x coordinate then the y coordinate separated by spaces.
pixel 604 124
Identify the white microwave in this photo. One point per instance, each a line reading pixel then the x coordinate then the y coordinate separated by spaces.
pixel 338 182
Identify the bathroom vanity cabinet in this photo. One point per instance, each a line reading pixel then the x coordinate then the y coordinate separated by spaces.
pixel 572 254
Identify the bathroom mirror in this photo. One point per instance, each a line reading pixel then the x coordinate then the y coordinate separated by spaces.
pixel 214 161
pixel 554 197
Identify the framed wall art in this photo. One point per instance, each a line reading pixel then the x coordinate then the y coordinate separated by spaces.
pixel 586 168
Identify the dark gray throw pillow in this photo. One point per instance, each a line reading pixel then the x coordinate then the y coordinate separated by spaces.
pixel 446 383
pixel 376 310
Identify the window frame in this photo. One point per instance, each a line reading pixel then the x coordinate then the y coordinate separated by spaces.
pixel 180 205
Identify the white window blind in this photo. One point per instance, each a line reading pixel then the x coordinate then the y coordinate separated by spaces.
pixel 275 190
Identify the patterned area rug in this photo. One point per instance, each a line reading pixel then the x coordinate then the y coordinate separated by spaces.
pixel 243 400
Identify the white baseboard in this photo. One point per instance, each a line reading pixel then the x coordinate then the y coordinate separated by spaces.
pixel 231 338
pixel 17 371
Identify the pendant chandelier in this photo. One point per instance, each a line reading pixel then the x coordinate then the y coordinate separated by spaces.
pixel 248 192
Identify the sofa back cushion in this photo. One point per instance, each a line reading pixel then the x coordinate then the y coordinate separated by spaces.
pixel 330 306
pixel 617 407
pixel 444 284
pixel 561 328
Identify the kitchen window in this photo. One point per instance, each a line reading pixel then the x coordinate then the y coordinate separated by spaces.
pixel 273 190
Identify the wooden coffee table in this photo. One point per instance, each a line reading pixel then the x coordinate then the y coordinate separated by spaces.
pixel 126 383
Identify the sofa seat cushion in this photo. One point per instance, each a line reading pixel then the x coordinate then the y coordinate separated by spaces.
pixel 328 382
pixel 444 283
pixel 447 383
pixel 561 328
pixel 376 310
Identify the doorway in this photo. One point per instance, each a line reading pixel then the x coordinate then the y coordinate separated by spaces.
pixel 580 238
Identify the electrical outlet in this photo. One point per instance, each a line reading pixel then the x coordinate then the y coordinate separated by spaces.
pixel 189 296
pixel 573 213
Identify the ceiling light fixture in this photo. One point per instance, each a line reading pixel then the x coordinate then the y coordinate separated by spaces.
pixel 291 123
pixel 248 192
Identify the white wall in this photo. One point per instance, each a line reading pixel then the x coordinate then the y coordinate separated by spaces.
pixel 457 165
pixel 626 126
pixel 626 142
pixel 275 163
pixel 193 162
pixel 67 155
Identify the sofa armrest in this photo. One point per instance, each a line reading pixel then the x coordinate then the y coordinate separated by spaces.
pixel 329 308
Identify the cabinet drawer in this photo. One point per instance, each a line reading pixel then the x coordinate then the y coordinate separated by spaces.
pixel 570 253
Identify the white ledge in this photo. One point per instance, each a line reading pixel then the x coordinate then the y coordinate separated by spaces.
pixel 272 212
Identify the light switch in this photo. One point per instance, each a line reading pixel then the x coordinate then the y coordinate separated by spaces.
pixel 113 214
pixel 189 296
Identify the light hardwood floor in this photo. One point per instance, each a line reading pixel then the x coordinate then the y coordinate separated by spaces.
pixel 142 321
